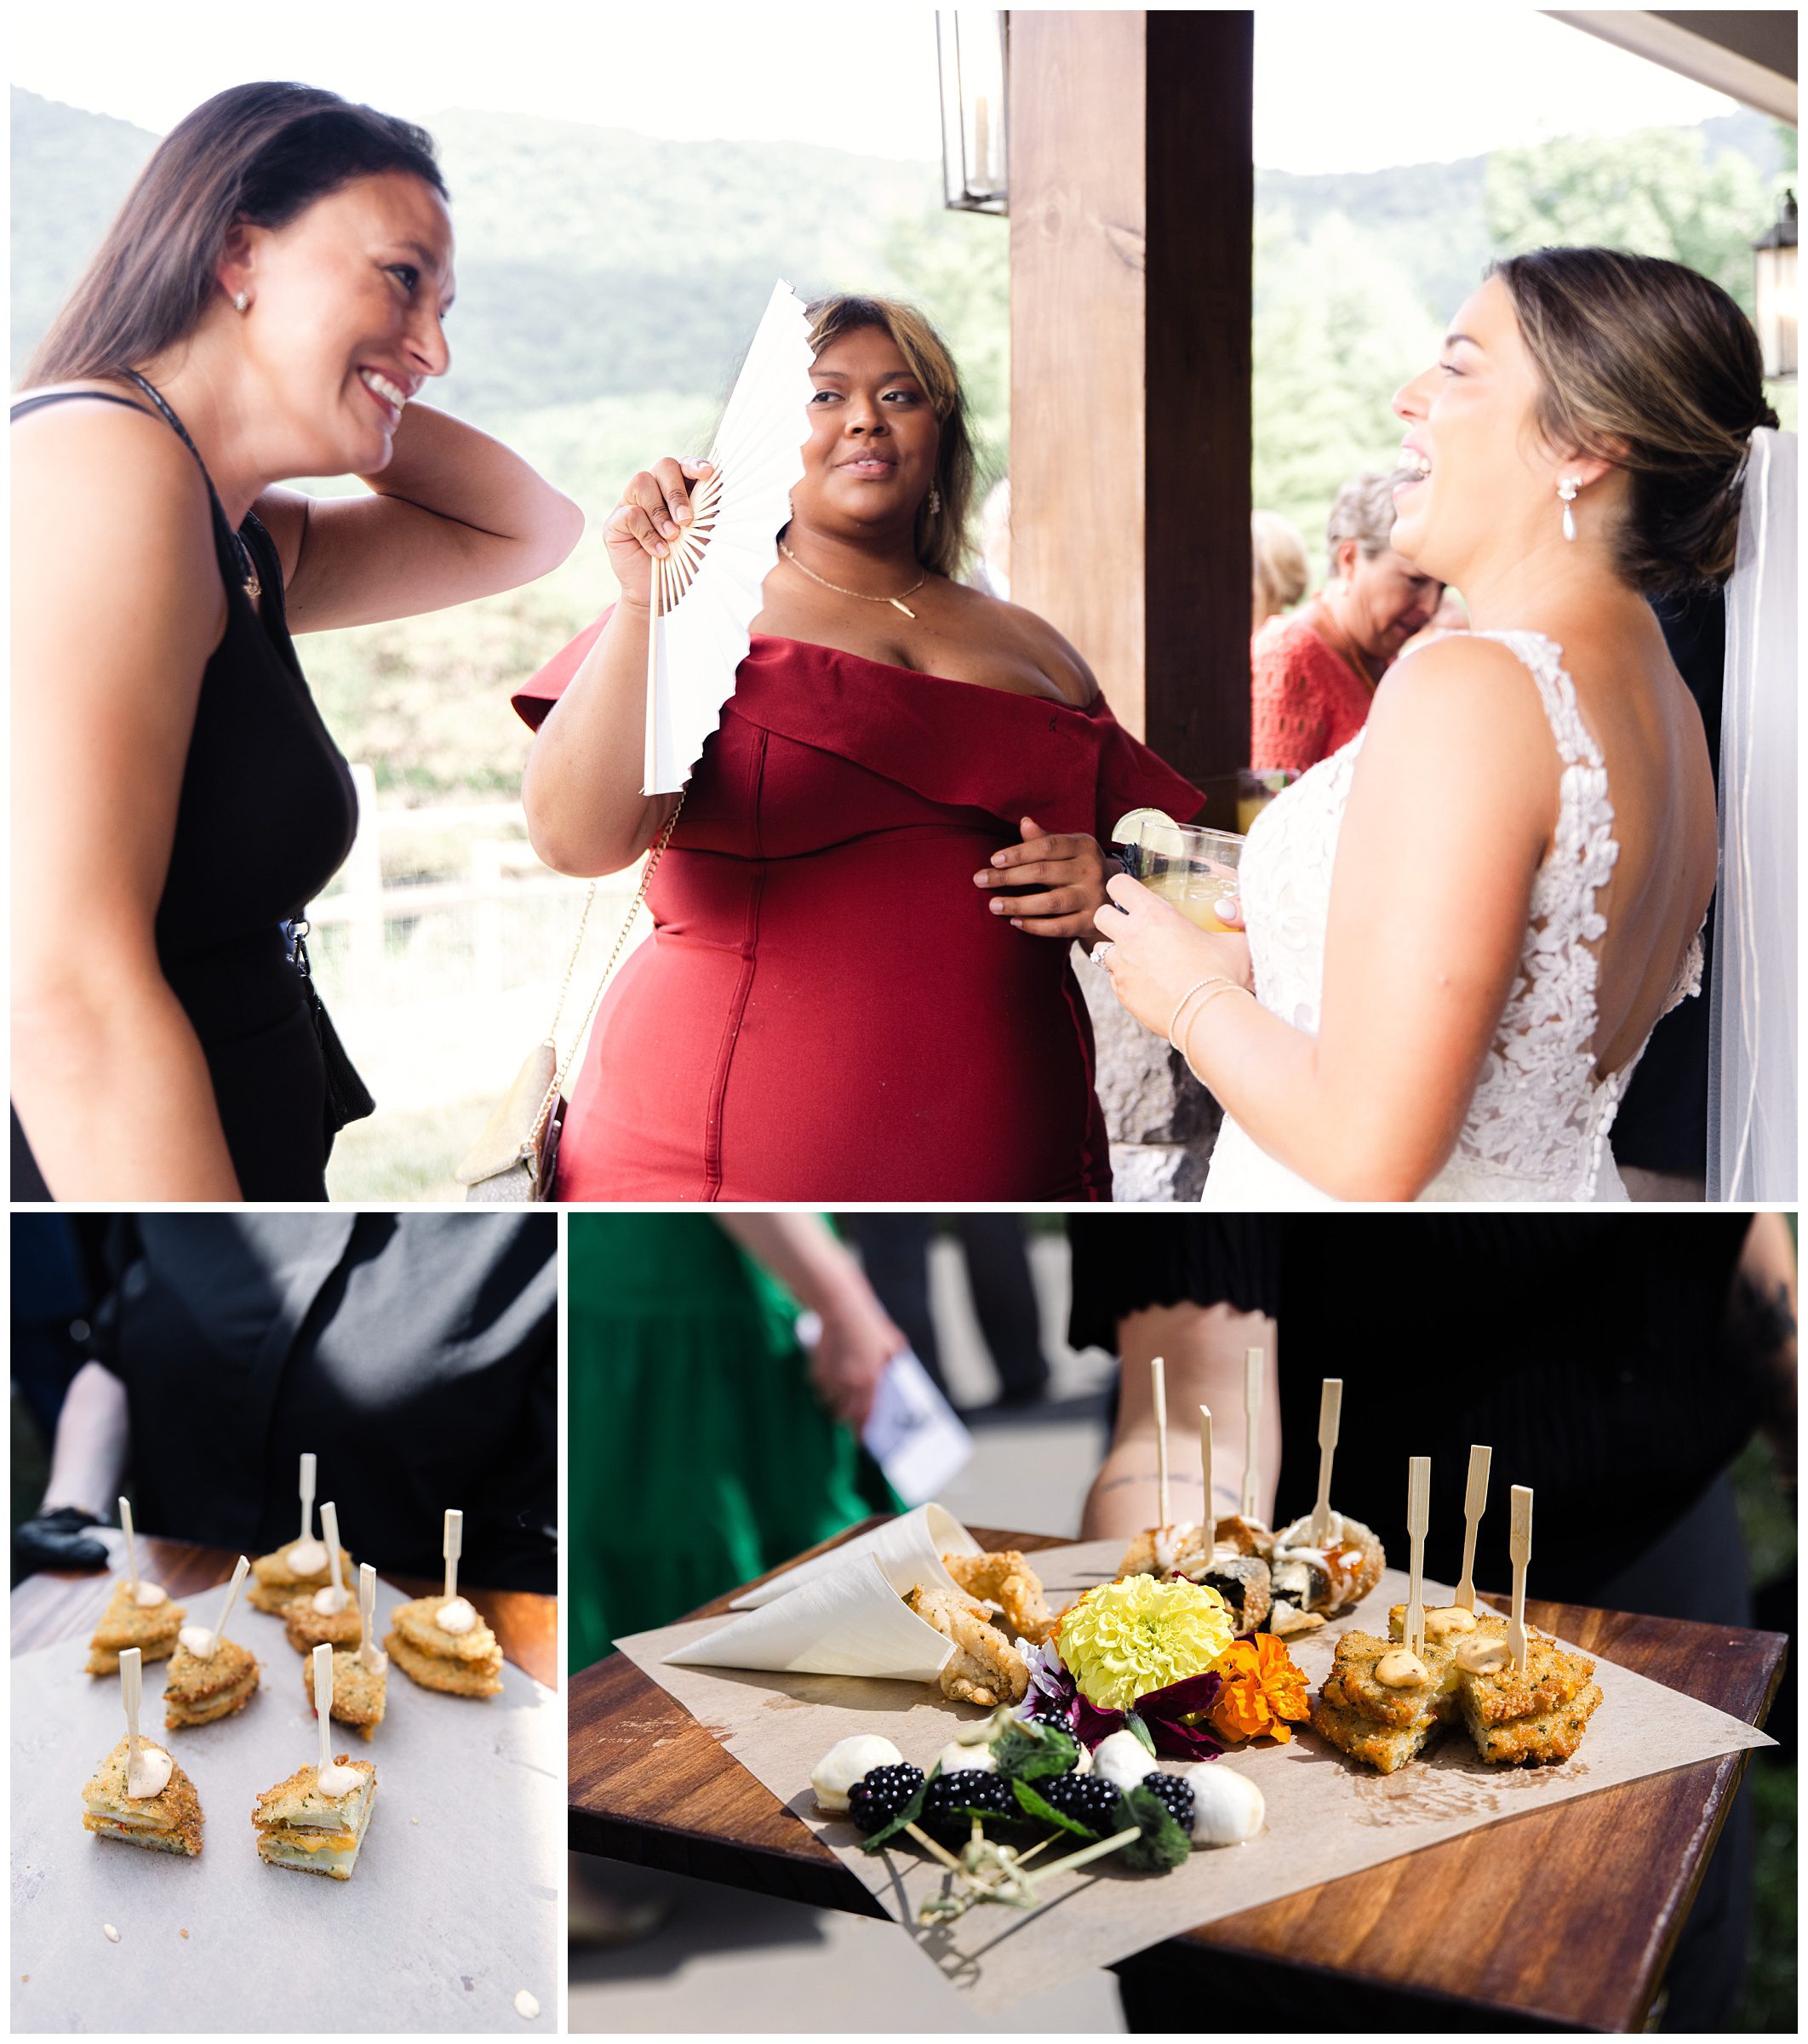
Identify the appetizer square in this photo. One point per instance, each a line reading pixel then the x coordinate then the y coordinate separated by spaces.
pixel 150 1628
pixel 168 1822
pixel 359 1693
pixel 1538 1739
pixel 1353 1684
pixel 298 1827
pixel 197 1691
pixel 465 1663
pixel 306 1628
pixel 1386 1748
pixel 1551 1677
pixel 274 1582
pixel 1447 1624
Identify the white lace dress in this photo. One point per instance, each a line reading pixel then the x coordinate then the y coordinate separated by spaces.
pixel 1538 1127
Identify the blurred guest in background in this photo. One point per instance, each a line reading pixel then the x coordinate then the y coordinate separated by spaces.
pixel 895 1254
pixel 1313 677
pixel 1278 572
pixel 706 1445
pixel 1452 615
pixel 415 1355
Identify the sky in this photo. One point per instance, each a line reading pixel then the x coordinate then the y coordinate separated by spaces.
pixel 1338 87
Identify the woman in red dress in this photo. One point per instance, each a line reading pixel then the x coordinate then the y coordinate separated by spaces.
pixel 1314 675
pixel 858 986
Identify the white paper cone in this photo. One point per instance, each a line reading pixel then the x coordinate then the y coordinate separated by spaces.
pixel 909 1550
pixel 849 1622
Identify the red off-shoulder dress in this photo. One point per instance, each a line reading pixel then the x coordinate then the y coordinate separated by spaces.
pixel 827 1011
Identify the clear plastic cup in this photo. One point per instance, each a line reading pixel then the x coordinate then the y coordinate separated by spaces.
pixel 1190 867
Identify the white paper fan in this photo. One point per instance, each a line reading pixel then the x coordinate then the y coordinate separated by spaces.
pixel 706 590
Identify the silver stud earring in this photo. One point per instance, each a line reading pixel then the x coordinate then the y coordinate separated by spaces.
pixel 241 302
pixel 934 501
pixel 1566 490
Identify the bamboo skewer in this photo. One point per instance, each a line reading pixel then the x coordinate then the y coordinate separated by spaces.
pixel 1330 1408
pixel 1158 1387
pixel 1474 1503
pixel 1211 1520
pixel 1519 1539
pixel 1418 1506
pixel 1252 1389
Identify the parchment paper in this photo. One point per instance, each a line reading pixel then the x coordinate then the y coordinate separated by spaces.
pixel 453 1907
pixel 1326 1815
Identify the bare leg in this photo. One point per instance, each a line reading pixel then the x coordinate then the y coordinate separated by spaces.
pixel 1202 1348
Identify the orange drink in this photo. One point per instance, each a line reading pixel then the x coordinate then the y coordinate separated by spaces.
pixel 1190 868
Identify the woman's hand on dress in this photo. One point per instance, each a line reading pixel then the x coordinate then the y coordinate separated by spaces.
pixel 1155 954
pixel 1069 870
pixel 654 507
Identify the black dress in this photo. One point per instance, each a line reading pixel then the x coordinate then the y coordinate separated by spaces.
pixel 265 816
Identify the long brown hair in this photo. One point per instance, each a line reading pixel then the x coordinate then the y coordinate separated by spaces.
pixel 941 533
pixel 1648 365
pixel 262 153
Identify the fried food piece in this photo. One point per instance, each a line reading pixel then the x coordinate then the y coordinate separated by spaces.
pixel 1551 1676
pixel 1006 1579
pixel 359 1693
pixel 1538 1739
pixel 299 1828
pixel 200 1692
pixel 276 1583
pixel 167 1822
pixel 150 1628
pixel 1329 1578
pixel 1386 1748
pixel 985 1667
pixel 1235 1571
pixel 417 1622
pixel 1443 1622
pixel 1244 1536
pixel 1352 1685
pixel 307 1627
pixel 454 1678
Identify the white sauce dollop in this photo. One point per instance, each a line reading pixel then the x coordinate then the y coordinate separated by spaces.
pixel 148 1772
pixel 150 1594
pixel 456 1616
pixel 112 1935
pixel 306 1557
pixel 526 2006
pixel 331 1600
pixel 198 1639
pixel 336 1781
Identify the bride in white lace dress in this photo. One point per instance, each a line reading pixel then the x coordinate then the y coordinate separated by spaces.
pixel 1463 926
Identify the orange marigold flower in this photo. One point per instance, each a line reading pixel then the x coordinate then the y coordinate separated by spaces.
pixel 1264 1693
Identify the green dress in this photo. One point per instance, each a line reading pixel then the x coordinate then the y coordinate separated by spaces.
pixel 699 1453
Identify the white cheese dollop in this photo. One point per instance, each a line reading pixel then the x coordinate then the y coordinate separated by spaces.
pixel 1122 1760
pixel 1227 1807
pixel 847 1762
pixel 956 1759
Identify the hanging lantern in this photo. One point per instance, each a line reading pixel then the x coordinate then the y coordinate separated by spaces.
pixel 1773 259
pixel 971 47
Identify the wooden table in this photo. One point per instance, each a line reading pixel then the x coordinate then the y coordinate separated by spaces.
pixel 54 1605
pixel 1561 1918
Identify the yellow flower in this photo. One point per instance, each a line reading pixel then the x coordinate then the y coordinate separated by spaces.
pixel 1263 1690
pixel 1124 1639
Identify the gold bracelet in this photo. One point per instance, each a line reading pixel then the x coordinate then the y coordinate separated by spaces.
pixel 1211 979
pixel 1229 986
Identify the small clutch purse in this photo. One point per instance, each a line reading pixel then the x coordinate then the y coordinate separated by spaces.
pixel 515 1161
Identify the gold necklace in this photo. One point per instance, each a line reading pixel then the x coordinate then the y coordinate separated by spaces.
pixel 897 603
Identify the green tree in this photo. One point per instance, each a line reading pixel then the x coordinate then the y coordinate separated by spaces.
pixel 1653 192
pixel 955 268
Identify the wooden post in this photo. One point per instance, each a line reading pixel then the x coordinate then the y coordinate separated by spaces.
pixel 1131 217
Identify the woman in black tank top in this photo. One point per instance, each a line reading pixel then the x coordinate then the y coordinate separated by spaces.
pixel 267 303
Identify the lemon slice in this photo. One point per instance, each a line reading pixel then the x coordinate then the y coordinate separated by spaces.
pixel 1128 829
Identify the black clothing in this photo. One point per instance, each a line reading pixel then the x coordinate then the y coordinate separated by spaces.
pixel 1661 1125
pixel 1583 1348
pixel 415 1355
pixel 265 816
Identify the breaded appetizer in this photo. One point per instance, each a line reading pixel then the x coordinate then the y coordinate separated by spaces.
pixel 1449 1625
pixel 1538 1739
pixel 298 1826
pixel 1551 1677
pixel 198 1691
pixel 1382 1681
pixel 463 1660
pixel 150 1620
pixel 1386 1748
pixel 985 1667
pixel 1228 1563
pixel 278 1579
pixel 1006 1579
pixel 307 1627
pixel 168 1822
pixel 359 1693
pixel 1329 1578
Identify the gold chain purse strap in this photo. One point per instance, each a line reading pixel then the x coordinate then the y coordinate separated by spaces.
pixel 556 1090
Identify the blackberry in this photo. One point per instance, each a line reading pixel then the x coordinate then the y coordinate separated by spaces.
pixel 877 1797
pixel 950 1795
pixel 1175 1793
pixel 1086 1798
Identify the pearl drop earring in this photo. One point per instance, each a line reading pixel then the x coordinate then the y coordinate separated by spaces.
pixel 1566 490
pixel 934 501
pixel 241 302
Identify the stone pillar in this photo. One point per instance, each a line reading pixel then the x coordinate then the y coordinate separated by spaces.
pixel 1162 1121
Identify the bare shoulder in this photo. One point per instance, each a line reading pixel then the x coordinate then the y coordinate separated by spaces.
pixel 1462 690
pixel 1034 637
pixel 122 454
